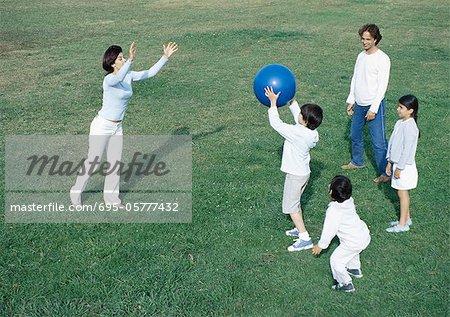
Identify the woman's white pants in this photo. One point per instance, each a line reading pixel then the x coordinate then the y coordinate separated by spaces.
pixel 103 134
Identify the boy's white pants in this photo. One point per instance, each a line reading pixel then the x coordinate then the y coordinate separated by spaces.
pixel 103 134
pixel 343 258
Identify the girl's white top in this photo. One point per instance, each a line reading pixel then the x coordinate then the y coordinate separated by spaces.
pixel 342 220
pixel 403 143
pixel 298 141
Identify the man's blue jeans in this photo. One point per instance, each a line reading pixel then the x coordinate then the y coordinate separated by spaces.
pixel 377 135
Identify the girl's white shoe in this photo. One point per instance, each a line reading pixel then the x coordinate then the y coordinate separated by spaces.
pixel 398 228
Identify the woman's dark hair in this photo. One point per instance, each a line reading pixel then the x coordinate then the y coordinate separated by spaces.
pixel 312 114
pixel 341 188
pixel 110 57
pixel 410 102
pixel 373 30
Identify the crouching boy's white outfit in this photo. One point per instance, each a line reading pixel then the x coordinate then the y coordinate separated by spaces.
pixel 342 220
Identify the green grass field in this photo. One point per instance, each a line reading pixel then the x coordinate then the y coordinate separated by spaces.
pixel 232 259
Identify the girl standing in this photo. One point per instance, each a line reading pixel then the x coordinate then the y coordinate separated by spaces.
pixel 401 158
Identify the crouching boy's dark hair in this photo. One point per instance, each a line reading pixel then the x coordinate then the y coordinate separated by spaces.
pixel 341 188
pixel 312 114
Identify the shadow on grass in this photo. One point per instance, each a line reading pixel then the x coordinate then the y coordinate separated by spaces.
pixel 169 146
pixel 197 136
pixel 162 151
pixel 316 171
pixel 391 194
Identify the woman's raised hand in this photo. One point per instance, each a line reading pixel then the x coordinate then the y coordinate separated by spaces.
pixel 132 51
pixel 169 49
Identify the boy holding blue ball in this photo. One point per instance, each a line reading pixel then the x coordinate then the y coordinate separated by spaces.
pixel 299 139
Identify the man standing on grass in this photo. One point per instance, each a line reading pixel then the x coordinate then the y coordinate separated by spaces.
pixel 366 101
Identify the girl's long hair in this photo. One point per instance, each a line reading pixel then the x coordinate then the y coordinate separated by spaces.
pixel 410 102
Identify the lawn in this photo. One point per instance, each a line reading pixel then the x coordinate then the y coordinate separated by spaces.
pixel 232 259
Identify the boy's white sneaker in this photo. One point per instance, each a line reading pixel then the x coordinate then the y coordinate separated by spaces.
pixel 300 244
pixel 292 233
pixel 396 222
pixel 398 228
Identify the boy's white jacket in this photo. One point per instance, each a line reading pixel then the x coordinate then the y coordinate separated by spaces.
pixel 342 220
pixel 298 141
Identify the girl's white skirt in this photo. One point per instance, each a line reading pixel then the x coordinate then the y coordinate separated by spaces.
pixel 408 178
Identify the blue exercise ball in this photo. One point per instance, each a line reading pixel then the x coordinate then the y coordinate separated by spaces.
pixel 280 78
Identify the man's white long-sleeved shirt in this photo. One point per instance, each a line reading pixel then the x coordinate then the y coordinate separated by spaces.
pixel 370 79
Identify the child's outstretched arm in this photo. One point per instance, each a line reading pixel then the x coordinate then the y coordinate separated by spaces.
pixel 316 250
pixel 284 129
pixel 295 109
pixel 273 97
pixel 330 228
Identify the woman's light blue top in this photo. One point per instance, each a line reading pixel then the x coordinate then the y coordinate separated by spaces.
pixel 117 89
